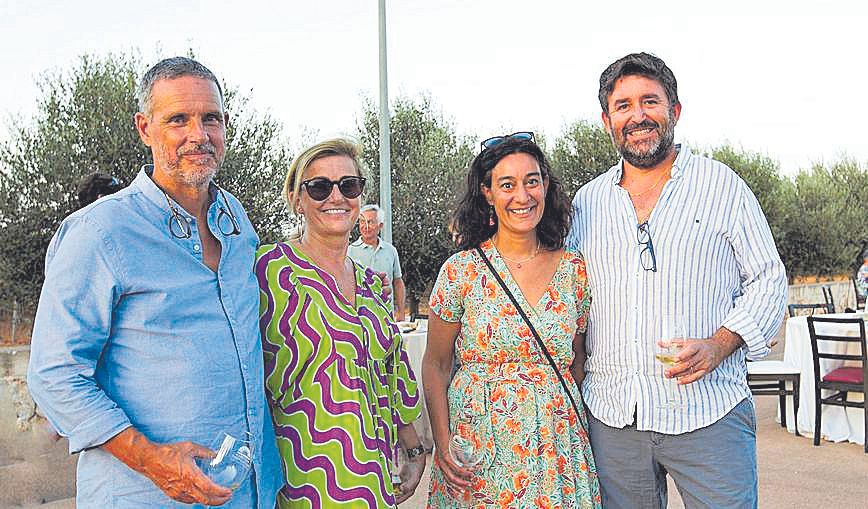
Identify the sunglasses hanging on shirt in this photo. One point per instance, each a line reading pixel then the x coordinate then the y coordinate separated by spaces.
pixel 226 221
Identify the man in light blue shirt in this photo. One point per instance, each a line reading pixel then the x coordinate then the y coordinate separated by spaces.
pixel 145 343
pixel 369 250
pixel 676 246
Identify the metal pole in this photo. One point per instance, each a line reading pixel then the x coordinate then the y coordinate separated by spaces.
pixel 385 146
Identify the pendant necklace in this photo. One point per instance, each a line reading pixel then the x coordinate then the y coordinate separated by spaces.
pixel 519 262
pixel 634 195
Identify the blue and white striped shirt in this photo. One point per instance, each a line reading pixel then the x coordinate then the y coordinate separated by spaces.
pixel 717 265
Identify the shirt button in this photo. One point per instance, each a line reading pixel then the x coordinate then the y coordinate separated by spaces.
pixel 243 366
pixel 189 219
pixel 196 247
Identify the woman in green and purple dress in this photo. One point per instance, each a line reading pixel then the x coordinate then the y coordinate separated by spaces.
pixel 342 394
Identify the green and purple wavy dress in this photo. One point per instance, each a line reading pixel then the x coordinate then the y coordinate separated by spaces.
pixel 338 381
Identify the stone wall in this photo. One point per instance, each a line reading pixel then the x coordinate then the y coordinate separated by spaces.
pixel 35 465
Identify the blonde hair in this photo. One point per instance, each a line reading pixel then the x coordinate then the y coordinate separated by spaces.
pixel 295 175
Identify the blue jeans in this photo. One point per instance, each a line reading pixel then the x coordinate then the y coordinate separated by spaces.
pixel 712 467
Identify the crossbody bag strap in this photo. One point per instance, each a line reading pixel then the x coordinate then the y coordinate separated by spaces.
pixel 533 331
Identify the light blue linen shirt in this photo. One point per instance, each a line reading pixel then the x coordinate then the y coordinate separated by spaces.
pixel 133 329
pixel 717 266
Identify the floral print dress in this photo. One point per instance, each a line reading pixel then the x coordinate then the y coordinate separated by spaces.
pixel 536 449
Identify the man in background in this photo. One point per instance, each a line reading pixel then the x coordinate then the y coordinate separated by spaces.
pixel 862 277
pixel 95 186
pixel 370 250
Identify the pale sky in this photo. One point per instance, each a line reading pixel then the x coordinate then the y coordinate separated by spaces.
pixel 785 78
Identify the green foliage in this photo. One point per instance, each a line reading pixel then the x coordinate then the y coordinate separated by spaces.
pixel 581 153
pixel 255 166
pixel 84 123
pixel 429 163
pixel 831 225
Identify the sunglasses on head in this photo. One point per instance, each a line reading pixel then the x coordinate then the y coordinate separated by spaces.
pixel 497 140
pixel 319 188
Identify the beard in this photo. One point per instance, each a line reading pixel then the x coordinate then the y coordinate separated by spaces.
pixel 648 153
pixel 196 175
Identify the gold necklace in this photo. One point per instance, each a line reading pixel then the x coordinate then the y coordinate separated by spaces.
pixel 519 262
pixel 636 195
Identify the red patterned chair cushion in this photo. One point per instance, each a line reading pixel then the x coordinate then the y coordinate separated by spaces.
pixel 845 375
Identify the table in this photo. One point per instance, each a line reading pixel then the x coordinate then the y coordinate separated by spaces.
pixel 839 424
pixel 414 344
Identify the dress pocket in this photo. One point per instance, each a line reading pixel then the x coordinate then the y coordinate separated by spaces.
pixel 470 414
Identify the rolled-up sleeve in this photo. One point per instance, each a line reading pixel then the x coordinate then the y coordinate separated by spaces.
pixel 758 311
pixel 71 328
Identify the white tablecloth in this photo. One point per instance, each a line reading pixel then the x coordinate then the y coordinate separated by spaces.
pixel 837 424
pixel 414 343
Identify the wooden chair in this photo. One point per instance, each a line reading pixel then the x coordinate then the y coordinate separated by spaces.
pixel 795 309
pixel 842 380
pixel 769 378
pixel 830 300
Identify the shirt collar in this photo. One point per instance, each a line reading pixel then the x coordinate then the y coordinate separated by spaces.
pixel 361 242
pixel 682 159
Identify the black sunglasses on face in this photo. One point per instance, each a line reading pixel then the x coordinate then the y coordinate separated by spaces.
pixel 646 256
pixel 497 140
pixel 319 188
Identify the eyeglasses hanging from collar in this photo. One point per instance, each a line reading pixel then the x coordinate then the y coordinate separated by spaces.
pixel 180 227
pixel 646 255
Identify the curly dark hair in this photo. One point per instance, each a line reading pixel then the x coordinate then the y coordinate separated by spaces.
pixel 638 64
pixel 470 221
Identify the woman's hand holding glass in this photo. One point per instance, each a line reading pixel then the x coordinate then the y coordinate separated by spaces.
pixel 462 455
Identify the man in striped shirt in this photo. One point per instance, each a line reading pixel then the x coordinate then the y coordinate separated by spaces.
pixel 676 247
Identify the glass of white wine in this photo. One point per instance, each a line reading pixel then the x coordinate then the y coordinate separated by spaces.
pixel 465 447
pixel 232 460
pixel 666 352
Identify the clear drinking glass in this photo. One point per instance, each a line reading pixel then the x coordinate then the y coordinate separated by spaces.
pixel 232 461
pixel 665 352
pixel 465 448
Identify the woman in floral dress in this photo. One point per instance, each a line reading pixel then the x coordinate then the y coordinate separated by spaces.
pixel 536 451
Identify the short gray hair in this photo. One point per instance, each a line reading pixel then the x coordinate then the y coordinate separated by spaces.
pixel 381 216
pixel 169 69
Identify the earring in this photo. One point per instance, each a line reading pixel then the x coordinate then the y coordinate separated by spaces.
pixel 491 216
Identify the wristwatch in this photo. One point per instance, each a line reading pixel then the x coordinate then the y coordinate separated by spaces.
pixel 415 451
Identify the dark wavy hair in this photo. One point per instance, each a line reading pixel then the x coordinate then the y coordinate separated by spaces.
pixel 470 220
pixel 638 64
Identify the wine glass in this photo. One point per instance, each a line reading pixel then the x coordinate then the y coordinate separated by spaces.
pixel 665 351
pixel 232 461
pixel 465 448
